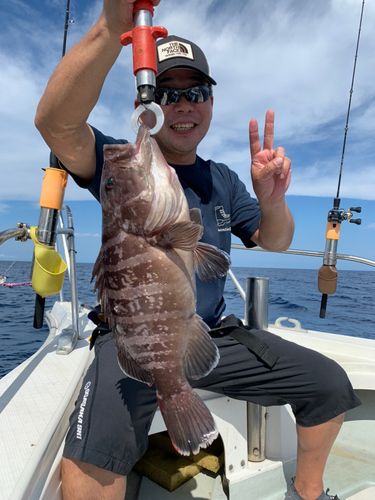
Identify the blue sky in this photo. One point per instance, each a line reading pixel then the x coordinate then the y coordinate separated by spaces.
pixel 291 56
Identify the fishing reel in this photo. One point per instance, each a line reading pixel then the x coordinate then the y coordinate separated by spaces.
pixel 327 274
pixel 338 215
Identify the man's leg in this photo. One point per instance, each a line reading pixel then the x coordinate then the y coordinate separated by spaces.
pixel 316 387
pixel 108 429
pixel 314 446
pixel 82 481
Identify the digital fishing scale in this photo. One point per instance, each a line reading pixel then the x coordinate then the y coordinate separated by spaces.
pixel 143 37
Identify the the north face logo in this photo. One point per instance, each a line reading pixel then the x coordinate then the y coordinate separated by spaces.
pixel 223 219
pixel 175 49
pixel 181 48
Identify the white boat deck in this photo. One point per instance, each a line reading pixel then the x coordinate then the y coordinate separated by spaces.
pixel 206 487
pixel 38 397
pixel 36 400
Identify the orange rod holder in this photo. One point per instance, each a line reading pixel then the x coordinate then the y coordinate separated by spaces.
pixel 51 200
pixel 53 188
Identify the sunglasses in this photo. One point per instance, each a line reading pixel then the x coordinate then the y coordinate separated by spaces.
pixel 167 96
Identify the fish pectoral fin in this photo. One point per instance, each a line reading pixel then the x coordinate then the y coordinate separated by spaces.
pixel 210 262
pixel 196 216
pixel 183 235
pixel 201 354
pixel 132 369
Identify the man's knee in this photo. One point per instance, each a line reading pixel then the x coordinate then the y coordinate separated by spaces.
pixel 332 378
pixel 81 480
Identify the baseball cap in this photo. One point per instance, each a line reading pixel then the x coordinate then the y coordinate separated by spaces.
pixel 175 52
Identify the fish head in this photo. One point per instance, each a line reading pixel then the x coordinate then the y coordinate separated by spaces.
pixel 139 191
pixel 127 186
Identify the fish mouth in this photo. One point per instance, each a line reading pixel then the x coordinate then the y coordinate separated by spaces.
pixel 183 126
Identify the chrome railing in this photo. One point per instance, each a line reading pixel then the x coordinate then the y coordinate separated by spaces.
pixel 69 337
pixel 311 253
pixel 306 253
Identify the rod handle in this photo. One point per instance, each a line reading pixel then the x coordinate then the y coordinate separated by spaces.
pixel 39 311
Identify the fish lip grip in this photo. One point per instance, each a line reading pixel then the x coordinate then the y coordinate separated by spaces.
pixel 143 37
pixel 156 109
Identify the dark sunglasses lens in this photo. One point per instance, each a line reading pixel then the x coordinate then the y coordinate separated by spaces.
pixel 163 97
pixel 194 95
pixel 171 96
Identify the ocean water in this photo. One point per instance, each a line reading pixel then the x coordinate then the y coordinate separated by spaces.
pixel 292 293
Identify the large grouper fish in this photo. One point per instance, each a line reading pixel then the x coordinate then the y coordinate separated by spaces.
pixel 145 277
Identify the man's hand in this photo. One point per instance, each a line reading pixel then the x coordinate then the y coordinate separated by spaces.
pixel 270 172
pixel 270 168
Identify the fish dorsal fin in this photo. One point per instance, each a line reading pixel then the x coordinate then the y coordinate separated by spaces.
pixel 201 355
pixel 196 216
pixel 183 235
pixel 210 262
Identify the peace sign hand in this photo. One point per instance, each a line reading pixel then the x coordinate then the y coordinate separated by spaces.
pixel 270 168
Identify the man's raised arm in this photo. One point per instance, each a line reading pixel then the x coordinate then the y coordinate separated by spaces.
pixel 74 88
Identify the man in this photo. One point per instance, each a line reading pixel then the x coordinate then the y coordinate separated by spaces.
pixel 119 410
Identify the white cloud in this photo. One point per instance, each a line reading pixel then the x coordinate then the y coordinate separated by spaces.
pixel 275 54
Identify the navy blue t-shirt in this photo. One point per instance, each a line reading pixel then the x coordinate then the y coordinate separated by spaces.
pixel 226 208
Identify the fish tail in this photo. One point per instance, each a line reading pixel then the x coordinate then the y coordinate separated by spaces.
pixel 189 422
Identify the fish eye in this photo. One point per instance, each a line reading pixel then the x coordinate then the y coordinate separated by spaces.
pixel 110 183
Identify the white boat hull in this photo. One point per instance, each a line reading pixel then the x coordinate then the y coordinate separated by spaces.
pixel 38 396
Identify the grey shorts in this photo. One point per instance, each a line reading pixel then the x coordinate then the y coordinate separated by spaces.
pixel 113 413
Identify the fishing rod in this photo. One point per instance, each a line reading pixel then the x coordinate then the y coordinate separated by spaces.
pixel 51 200
pixel 327 274
pixel 67 22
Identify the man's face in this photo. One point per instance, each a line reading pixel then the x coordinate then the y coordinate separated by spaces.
pixel 185 123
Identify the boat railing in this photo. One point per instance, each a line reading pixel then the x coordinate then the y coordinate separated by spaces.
pixel 306 253
pixel 256 314
pixel 69 337
pixel 20 232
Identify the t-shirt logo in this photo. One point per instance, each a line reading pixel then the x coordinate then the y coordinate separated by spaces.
pixel 175 49
pixel 223 220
